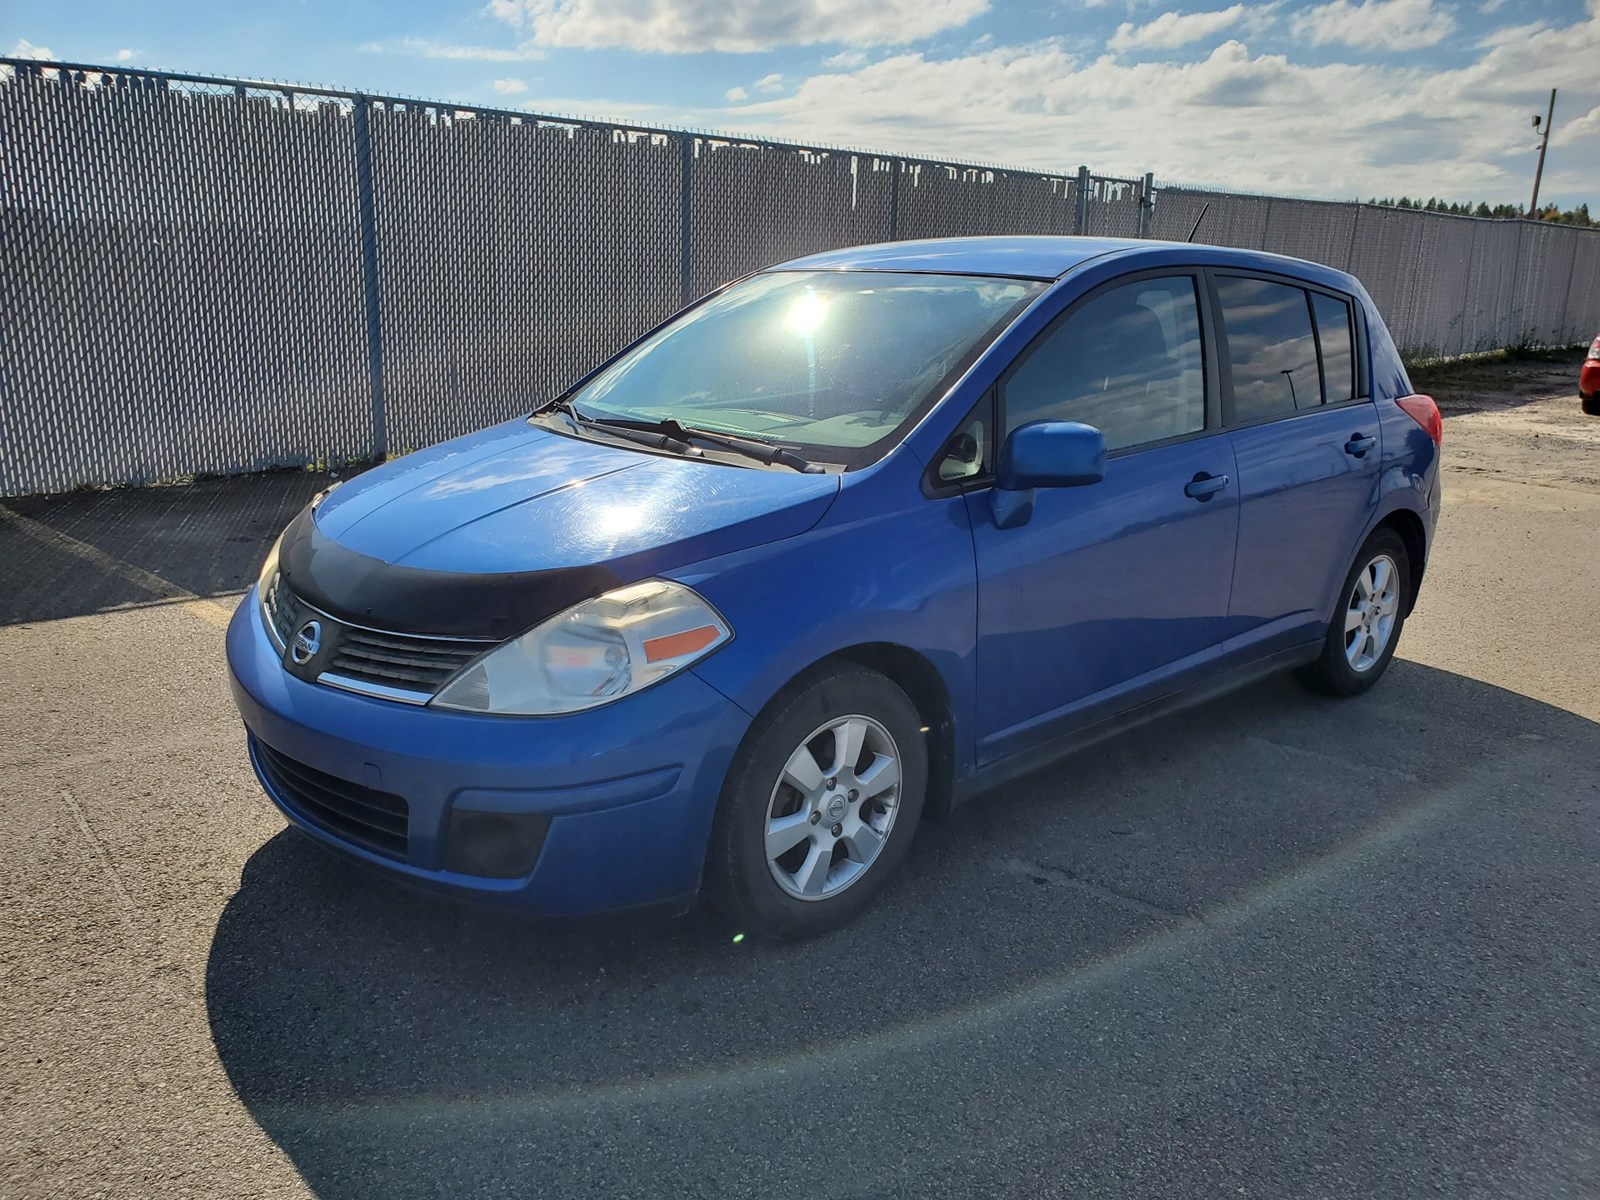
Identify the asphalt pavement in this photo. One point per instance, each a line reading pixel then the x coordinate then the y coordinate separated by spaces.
pixel 1278 946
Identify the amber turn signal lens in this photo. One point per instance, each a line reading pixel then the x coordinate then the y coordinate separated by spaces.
pixel 673 645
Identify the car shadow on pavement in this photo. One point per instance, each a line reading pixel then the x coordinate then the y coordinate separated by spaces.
pixel 1014 988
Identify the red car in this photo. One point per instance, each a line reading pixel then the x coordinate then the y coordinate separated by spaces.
pixel 1589 380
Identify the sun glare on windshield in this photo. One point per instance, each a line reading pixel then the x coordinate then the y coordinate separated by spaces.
pixel 807 313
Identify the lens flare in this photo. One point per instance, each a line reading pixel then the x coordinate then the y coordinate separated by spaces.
pixel 807 313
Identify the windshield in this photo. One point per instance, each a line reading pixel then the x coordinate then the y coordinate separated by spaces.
pixel 840 361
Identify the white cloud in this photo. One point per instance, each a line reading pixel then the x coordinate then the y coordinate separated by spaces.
pixel 1171 30
pixel 735 94
pixel 1261 122
pixel 427 48
pixel 1234 118
pixel 737 26
pixel 123 56
pixel 1375 24
pixel 509 87
pixel 1507 35
pixel 1584 130
pixel 771 84
pixel 26 49
pixel 845 60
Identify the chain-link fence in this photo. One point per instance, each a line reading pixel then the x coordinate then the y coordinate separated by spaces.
pixel 215 275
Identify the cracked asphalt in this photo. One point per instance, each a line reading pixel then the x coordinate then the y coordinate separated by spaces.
pixel 1278 946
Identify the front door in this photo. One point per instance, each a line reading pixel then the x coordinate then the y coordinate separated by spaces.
pixel 1112 591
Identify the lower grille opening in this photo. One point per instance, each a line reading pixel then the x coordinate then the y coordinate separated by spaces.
pixel 371 819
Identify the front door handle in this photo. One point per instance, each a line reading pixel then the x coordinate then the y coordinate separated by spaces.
pixel 1203 486
pixel 1359 444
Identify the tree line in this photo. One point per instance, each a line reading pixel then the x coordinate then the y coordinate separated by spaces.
pixel 1547 212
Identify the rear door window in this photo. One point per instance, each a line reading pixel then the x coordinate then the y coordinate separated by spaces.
pixel 1127 361
pixel 1272 348
pixel 1338 347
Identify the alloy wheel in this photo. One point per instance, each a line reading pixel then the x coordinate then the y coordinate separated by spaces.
pixel 1370 613
pixel 833 807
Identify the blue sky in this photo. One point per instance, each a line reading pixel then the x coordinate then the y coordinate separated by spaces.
pixel 1333 98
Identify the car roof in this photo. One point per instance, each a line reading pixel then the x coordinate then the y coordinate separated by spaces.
pixel 1043 257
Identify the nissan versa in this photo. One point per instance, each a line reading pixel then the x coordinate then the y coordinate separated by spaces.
pixel 830 551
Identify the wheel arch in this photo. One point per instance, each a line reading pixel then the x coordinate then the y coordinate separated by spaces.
pixel 915 675
pixel 1414 534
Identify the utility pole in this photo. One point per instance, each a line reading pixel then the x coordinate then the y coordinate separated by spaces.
pixel 1533 205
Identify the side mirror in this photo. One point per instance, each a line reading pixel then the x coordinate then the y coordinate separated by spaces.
pixel 1044 454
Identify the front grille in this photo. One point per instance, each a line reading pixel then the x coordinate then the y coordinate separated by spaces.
pixel 410 664
pixel 374 820
pixel 283 609
pixel 415 664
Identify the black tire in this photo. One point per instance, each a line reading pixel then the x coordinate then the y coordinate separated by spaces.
pixel 1333 674
pixel 1591 405
pixel 739 880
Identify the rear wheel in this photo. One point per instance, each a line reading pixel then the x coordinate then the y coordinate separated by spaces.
pixel 820 805
pixel 1365 629
pixel 1591 406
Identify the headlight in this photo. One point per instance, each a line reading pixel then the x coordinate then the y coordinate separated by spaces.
pixel 269 568
pixel 592 654
pixel 264 592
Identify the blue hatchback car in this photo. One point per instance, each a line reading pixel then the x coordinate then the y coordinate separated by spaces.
pixel 832 550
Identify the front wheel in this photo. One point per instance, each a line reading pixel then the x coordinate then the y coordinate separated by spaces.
pixel 820 805
pixel 1366 626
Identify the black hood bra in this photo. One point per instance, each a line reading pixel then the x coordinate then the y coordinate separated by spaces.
pixel 370 592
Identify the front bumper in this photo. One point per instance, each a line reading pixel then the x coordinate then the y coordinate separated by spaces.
pixel 629 789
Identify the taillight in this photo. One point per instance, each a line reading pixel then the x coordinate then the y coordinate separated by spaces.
pixel 1424 412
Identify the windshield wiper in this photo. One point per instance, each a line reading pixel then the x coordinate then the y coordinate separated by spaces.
pixel 750 447
pixel 671 434
pixel 645 433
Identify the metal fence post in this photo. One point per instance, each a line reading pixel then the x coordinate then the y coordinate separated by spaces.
pixel 894 199
pixel 1147 204
pixel 686 234
pixel 1516 330
pixel 369 273
pixel 1080 223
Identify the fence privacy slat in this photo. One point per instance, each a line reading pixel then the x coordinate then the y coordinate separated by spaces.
pixel 206 275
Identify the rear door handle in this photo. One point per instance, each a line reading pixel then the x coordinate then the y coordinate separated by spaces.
pixel 1203 486
pixel 1359 444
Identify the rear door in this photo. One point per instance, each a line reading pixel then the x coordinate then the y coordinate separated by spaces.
pixel 1117 588
pixel 1305 437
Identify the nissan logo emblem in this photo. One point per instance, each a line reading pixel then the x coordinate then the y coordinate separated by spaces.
pixel 307 641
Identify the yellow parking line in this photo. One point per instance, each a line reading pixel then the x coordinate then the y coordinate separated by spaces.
pixel 209 611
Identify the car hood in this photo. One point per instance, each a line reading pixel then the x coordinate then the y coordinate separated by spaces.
pixel 488 534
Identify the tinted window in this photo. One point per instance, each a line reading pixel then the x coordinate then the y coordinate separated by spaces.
pixel 1338 357
pixel 1127 362
pixel 1268 327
